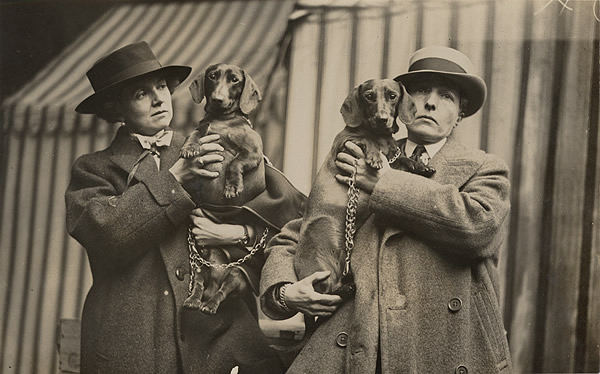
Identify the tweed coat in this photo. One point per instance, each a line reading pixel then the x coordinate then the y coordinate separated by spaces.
pixel 136 242
pixel 425 266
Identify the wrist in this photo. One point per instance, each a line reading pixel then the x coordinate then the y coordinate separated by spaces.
pixel 245 238
pixel 281 297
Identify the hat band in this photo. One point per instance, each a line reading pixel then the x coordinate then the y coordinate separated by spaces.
pixel 131 72
pixel 439 64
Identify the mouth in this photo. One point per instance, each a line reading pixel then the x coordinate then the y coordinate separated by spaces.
pixel 431 119
pixel 159 113
pixel 219 108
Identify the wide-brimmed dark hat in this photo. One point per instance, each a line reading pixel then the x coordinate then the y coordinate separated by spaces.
pixel 123 65
pixel 452 64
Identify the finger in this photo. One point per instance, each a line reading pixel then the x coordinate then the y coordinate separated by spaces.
pixel 318 276
pixel 209 138
pixel 345 157
pixel 348 169
pixel 210 147
pixel 342 179
pixel 198 212
pixel 354 149
pixel 210 158
pixel 206 173
pixel 327 300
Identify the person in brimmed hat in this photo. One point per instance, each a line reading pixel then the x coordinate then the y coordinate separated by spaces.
pixel 128 208
pixel 425 262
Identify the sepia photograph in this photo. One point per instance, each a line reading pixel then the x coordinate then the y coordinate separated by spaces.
pixel 299 186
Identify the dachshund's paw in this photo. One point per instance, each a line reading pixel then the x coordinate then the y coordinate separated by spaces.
pixel 374 160
pixel 422 169
pixel 192 303
pixel 232 191
pixel 209 307
pixel 189 152
pixel 345 291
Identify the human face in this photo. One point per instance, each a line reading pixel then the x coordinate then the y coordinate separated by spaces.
pixel 438 111
pixel 146 105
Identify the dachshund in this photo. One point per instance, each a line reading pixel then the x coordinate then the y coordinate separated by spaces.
pixel 369 112
pixel 231 95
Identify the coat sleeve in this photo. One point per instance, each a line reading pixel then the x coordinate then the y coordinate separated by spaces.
pixel 465 220
pixel 279 266
pixel 117 227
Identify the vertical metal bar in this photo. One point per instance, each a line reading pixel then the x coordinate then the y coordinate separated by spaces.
pixel 353 48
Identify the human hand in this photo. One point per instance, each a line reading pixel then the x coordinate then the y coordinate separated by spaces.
pixel 366 176
pixel 301 297
pixel 207 231
pixel 186 169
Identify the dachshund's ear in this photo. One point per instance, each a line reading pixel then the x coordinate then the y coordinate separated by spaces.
pixel 250 95
pixel 351 110
pixel 197 88
pixel 406 108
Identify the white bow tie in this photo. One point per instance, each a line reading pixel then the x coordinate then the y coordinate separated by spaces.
pixel 161 139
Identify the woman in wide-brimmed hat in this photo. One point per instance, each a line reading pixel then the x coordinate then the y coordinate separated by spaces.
pixel 425 262
pixel 127 207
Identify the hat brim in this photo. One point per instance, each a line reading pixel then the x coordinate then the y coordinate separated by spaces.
pixel 471 86
pixel 175 75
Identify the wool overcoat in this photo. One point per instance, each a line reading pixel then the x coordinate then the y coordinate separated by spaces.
pixel 425 266
pixel 136 242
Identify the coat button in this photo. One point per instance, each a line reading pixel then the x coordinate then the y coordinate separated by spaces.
pixel 342 339
pixel 461 369
pixel 180 274
pixel 455 304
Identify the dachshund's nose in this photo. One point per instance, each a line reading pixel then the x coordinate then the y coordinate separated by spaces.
pixel 217 100
pixel 381 121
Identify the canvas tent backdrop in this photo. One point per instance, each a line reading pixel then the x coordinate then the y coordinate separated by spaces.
pixel 539 58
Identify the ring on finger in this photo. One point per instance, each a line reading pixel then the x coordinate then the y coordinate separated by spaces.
pixel 200 161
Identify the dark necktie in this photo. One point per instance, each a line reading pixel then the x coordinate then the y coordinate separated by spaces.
pixel 420 154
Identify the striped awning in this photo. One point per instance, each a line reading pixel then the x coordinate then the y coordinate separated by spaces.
pixel 245 33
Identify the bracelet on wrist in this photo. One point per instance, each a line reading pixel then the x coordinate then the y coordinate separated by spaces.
pixel 246 238
pixel 281 298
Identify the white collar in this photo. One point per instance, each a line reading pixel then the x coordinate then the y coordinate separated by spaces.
pixel 431 149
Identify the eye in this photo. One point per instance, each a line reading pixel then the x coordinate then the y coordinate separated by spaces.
pixel 370 96
pixel 139 95
pixel 162 86
pixel 393 96
pixel 212 76
pixel 235 79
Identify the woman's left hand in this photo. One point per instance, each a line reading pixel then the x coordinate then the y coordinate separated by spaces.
pixel 366 176
pixel 208 232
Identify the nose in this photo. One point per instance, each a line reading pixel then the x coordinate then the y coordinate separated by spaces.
pixel 431 101
pixel 158 98
pixel 381 121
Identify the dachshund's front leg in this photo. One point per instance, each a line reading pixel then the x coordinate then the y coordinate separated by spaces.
pixel 194 301
pixel 191 146
pixel 233 281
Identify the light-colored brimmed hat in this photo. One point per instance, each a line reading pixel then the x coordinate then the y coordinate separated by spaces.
pixel 123 65
pixel 452 64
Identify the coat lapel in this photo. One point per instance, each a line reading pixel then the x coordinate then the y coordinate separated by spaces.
pixel 455 164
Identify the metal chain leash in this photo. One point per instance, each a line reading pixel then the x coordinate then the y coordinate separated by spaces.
pixel 196 261
pixel 351 209
pixel 396 155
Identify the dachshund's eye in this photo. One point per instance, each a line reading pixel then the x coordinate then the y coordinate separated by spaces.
pixel 235 79
pixel 370 96
pixel 212 76
pixel 393 96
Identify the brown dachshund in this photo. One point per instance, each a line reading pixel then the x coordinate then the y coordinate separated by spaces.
pixel 370 113
pixel 231 95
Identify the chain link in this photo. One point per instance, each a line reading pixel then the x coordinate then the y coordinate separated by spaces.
pixel 196 261
pixel 351 209
pixel 396 155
